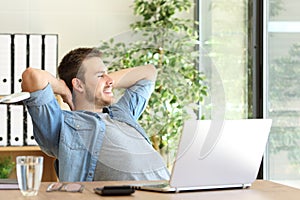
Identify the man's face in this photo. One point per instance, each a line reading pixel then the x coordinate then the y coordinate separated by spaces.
pixel 97 84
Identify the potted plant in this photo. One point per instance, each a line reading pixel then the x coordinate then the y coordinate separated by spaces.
pixel 170 43
pixel 6 167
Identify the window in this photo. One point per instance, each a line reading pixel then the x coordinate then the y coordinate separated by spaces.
pixel 254 46
pixel 282 94
pixel 225 35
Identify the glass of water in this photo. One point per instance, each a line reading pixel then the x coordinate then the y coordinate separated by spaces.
pixel 29 174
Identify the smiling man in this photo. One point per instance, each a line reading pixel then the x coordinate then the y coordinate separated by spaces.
pixel 98 138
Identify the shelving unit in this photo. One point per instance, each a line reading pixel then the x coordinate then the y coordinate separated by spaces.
pixel 17 52
pixel 49 174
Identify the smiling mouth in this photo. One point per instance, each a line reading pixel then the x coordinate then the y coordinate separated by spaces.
pixel 108 91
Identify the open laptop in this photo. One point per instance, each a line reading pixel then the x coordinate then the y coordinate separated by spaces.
pixel 216 155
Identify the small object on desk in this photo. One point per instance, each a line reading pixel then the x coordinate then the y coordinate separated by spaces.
pixel 9 184
pixel 15 97
pixel 65 187
pixel 29 174
pixel 115 190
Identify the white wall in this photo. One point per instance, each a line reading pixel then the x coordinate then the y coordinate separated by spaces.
pixel 78 23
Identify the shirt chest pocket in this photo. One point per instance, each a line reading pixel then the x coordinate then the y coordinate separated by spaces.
pixel 78 134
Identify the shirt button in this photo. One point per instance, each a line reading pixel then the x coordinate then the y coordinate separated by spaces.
pixel 77 126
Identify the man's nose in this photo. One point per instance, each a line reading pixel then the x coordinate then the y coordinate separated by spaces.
pixel 109 80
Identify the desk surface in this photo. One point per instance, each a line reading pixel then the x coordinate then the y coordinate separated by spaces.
pixel 260 190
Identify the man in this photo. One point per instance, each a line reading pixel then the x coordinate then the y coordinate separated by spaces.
pixel 97 139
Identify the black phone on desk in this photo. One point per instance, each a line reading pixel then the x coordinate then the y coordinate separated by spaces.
pixel 115 190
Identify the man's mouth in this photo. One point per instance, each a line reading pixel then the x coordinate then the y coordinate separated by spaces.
pixel 108 91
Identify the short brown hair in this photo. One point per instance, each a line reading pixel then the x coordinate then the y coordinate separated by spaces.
pixel 70 65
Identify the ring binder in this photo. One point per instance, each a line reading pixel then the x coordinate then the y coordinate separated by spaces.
pixel 5 64
pixel 17 52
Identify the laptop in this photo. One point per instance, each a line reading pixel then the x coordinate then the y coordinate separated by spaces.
pixel 216 155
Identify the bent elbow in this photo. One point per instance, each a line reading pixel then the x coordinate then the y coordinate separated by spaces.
pixel 152 72
pixel 30 80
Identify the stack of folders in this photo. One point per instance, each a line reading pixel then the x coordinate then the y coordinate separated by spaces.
pixel 17 52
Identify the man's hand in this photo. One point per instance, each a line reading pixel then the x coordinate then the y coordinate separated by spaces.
pixel 67 96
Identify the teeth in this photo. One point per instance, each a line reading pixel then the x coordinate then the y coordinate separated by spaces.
pixel 107 89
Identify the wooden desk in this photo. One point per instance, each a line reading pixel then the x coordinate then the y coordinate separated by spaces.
pixel 260 190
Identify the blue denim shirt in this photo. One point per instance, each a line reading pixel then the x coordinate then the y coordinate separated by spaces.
pixel 75 137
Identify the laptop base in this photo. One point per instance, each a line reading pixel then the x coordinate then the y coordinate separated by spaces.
pixel 165 188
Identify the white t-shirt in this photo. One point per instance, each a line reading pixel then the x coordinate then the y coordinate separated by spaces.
pixel 126 155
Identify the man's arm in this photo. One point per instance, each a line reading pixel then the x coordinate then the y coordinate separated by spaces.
pixel 36 79
pixel 127 77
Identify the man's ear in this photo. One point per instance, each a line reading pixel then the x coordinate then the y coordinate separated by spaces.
pixel 77 85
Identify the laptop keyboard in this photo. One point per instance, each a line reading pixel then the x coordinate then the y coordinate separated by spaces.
pixel 156 185
pixel 160 185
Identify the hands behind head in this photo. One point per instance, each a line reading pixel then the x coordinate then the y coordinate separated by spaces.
pixel 67 95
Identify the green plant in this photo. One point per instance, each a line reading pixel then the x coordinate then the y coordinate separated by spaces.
pixel 169 43
pixel 6 166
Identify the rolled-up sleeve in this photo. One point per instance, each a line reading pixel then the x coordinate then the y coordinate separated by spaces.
pixel 135 98
pixel 46 117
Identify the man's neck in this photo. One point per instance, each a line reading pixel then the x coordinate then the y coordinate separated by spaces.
pixel 88 107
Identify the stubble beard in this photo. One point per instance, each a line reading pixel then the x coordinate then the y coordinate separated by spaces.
pixel 97 100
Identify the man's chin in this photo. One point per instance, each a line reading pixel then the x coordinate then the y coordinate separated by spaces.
pixel 110 101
